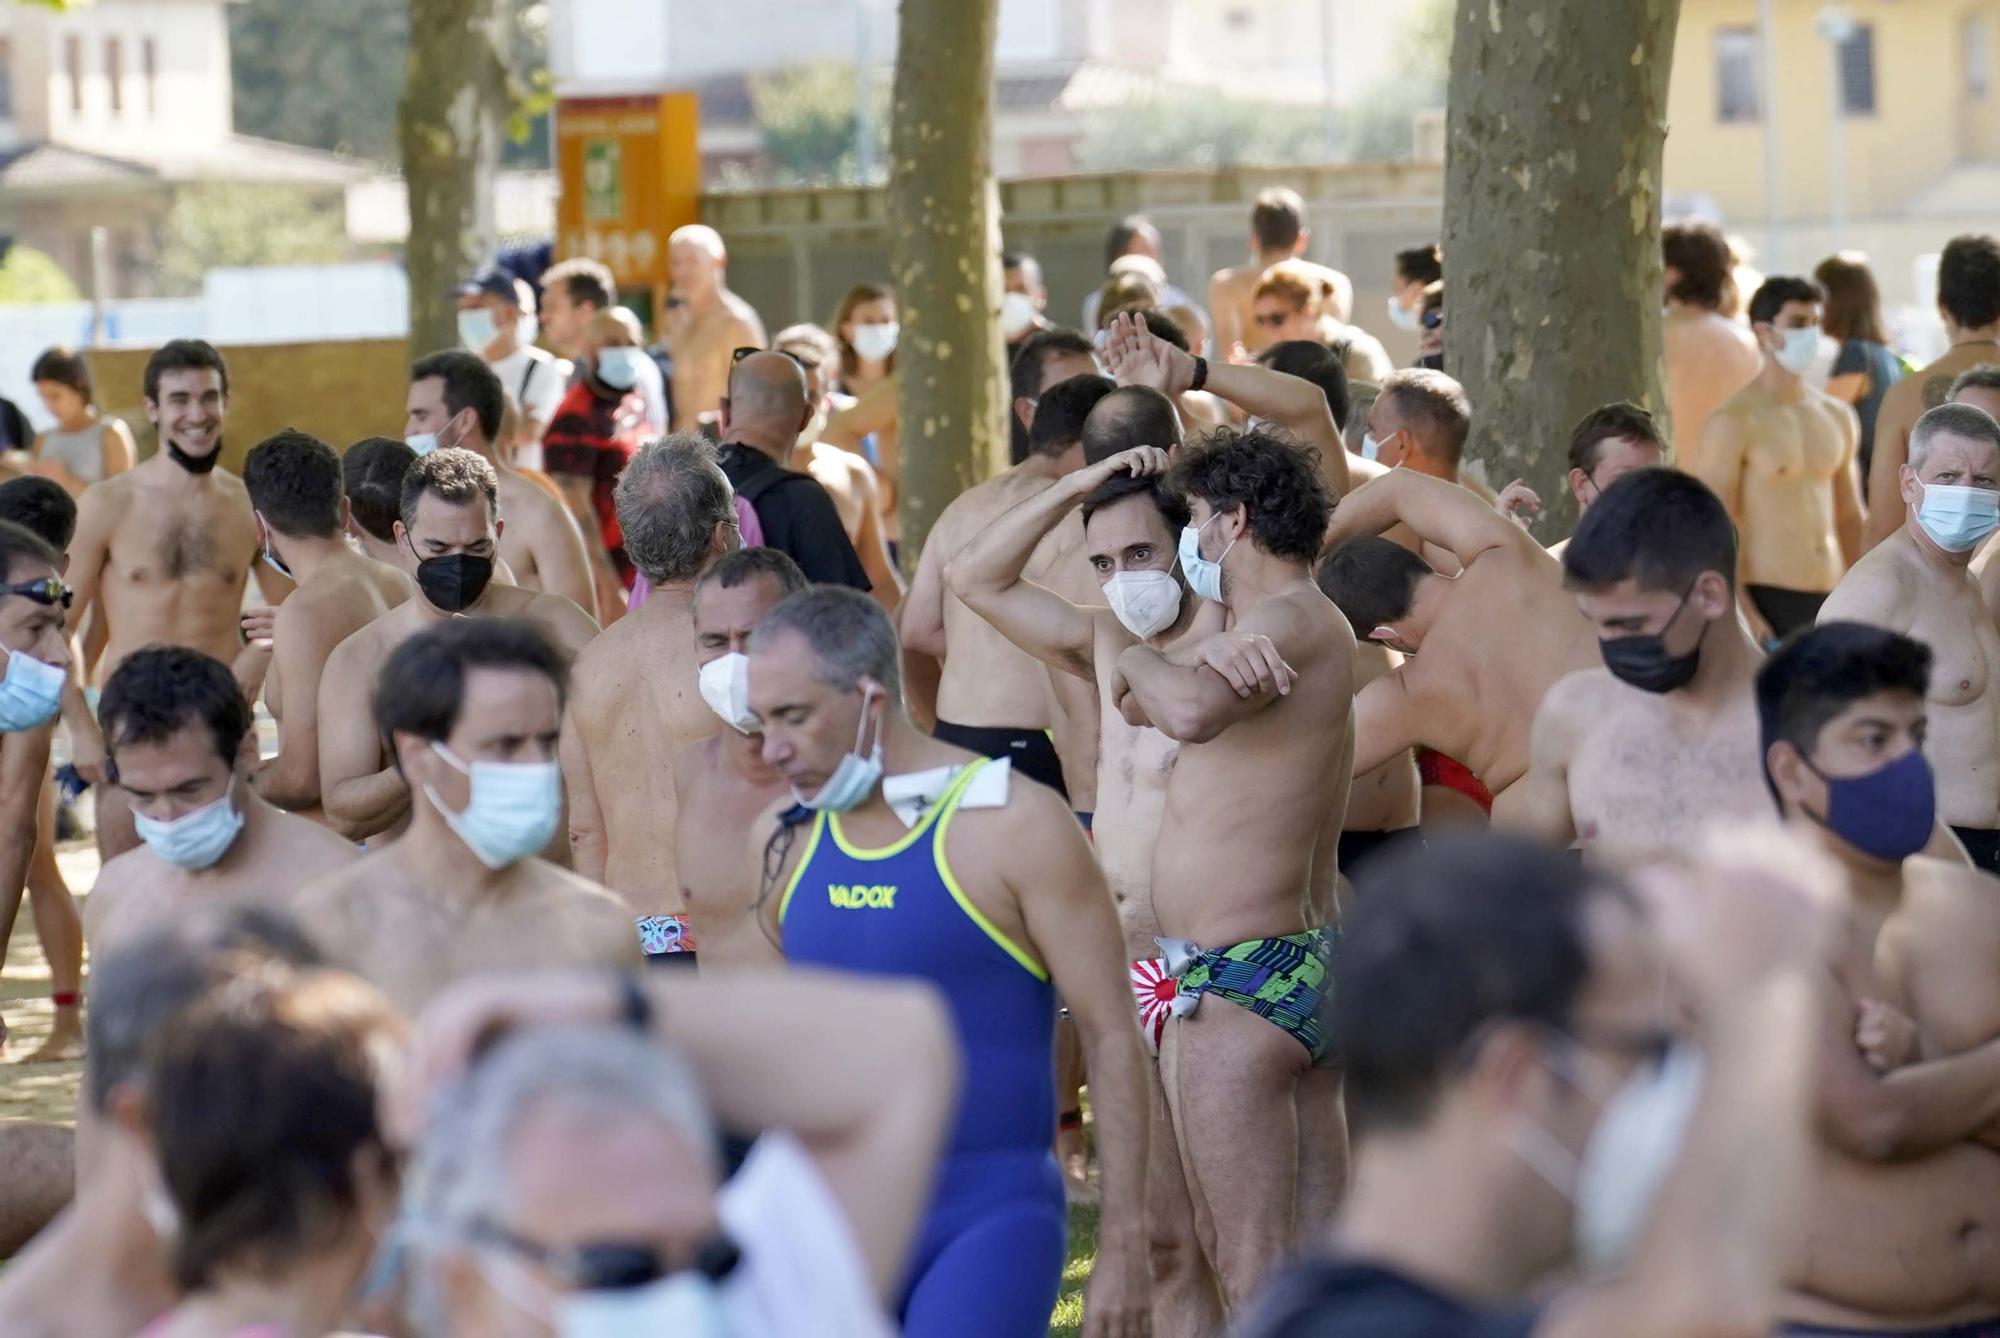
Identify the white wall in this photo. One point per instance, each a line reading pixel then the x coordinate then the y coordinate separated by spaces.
pixel 190 111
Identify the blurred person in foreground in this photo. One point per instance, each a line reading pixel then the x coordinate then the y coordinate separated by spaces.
pixel 262 1102
pixel 1866 366
pixel 102 1266
pixel 570 1182
pixel 1529 1101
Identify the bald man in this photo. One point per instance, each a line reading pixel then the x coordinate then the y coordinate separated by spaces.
pixel 704 323
pixel 766 408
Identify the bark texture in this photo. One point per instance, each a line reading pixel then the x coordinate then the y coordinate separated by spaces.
pixel 944 252
pixel 450 120
pixel 1555 126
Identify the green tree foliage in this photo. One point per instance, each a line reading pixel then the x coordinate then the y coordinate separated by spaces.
pixel 216 225
pixel 327 74
pixel 806 117
pixel 28 276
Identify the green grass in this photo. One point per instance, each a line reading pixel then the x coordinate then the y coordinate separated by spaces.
pixel 1067 1321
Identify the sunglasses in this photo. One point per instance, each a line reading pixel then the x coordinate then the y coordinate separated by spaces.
pixel 738 355
pixel 1271 320
pixel 611 1265
pixel 48 590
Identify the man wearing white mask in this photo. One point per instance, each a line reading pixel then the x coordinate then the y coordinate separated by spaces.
pixel 1023 299
pixel 471 711
pixel 183 748
pixel 1131 522
pixel 1780 454
pixel 723 783
pixel 1531 1108
pixel 1917 582
pixel 456 400
pixel 496 320
pixel 33 605
pixel 899 855
pixel 635 702
pixel 1893 1236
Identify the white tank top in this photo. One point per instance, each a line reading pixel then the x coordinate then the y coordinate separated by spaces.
pixel 80 452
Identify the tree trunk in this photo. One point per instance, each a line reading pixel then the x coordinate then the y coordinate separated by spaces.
pixel 449 122
pixel 944 251
pixel 1556 122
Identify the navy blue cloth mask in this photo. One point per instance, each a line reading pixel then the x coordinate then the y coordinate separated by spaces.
pixel 1888 814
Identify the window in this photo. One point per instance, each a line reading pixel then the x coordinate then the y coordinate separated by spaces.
pixel 1739 93
pixel 114 69
pixel 1978 56
pixel 1857 71
pixel 149 63
pixel 6 79
pixel 73 67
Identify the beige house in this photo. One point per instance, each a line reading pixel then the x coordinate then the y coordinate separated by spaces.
pixel 107 109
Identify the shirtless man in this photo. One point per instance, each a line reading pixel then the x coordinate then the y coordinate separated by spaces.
pixel 1045 358
pixel 446 536
pixel 1277 233
pixel 704 323
pixel 371 473
pixel 1609 443
pixel 1968 302
pixel 38 661
pixel 1131 523
pixel 723 783
pixel 1895 1235
pixel 295 485
pixel 1780 454
pixel 636 703
pixel 457 400
pixel 183 747
pixel 957 873
pixel 1484 647
pixel 1709 356
pixel 1917 584
pixel 1244 865
pixel 1640 755
pixel 166 547
pixel 847 476
pixel 472 709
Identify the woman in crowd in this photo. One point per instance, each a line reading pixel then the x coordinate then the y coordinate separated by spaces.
pixel 865 324
pixel 84 447
pixel 1865 367
pixel 1292 301
pixel 279 1182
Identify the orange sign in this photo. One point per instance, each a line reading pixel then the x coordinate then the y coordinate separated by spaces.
pixel 631 174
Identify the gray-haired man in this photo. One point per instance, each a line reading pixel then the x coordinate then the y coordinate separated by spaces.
pixel 1916 582
pixel 635 703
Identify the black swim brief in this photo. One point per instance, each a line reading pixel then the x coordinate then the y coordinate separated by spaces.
pixel 1786 610
pixel 1977 1328
pixel 1356 846
pixel 1983 844
pixel 1031 751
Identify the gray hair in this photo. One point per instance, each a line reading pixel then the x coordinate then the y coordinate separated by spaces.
pixel 851 637
pixel 1952 420
pixel 670 499
pixel 458 1179
pixel 1983 377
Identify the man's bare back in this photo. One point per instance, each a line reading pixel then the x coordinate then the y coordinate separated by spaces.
pixel 540 542
pixel 275 856
pixel 400 929
pixel 1913 1243
pixel 717 803
pixel 858 495
pixel 166 554
pixel 1383 798
pixel 702 345
pixel 1709 358
pixel 634 707
pixel 1894 586
pixel 1786 473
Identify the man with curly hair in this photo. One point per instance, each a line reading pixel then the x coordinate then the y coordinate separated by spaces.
pixel 1244 868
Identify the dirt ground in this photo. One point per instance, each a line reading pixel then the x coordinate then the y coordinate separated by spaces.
pixel 43 1092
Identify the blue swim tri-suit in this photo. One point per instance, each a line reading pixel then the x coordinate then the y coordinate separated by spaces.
pixel 989 1256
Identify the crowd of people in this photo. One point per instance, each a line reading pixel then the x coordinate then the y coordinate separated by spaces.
pixel 585 891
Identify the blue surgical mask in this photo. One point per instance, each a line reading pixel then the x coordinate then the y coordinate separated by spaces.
pixel 688 1305
pixel 1957 518
pixel 195 840
pixel 1801 346
pixel 618 367
pixel 1371 449
pixel 513 810
pixel 856 777
pixel 423 443
pixel 1402 317
pixel 476 328
pixel 1888 814
pixel 1204 576
pixel 30 694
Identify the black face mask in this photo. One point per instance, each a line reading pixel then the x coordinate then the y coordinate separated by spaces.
pixel 193 464
pixel 1643 660
pixel 454 581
